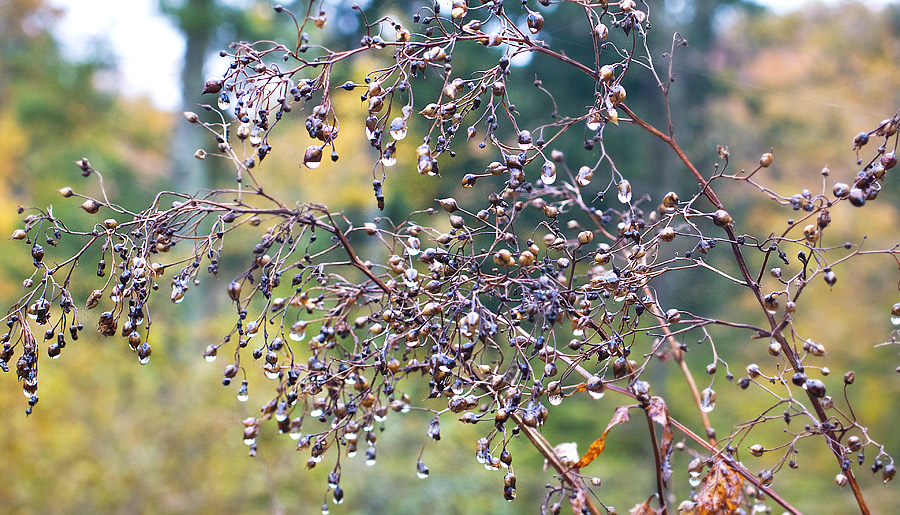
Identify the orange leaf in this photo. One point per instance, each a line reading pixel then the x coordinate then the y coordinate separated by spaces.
pixel 619 417
pixel 594 451
pixel 720 492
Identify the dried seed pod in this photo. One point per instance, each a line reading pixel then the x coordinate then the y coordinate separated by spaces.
pixel 234 290
pixel 449 204
pixel 91 206
pixel 526 258
pixel 815 387
pixel 766 160
pixel 535 22
pixel 721 218
pixel 312 158
pixel 667 234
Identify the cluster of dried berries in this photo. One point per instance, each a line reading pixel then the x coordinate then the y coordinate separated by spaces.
pixel 542 291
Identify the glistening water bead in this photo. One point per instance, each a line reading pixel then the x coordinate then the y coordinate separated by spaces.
pixel 624 191
pixel 708 400
pixel 421 470
pixel 548 173
pixel 895 314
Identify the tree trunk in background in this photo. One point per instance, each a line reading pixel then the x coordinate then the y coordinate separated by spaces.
pixel 194 20
pixel 197 21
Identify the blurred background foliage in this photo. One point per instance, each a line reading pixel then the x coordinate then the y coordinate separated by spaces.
pixel 111 436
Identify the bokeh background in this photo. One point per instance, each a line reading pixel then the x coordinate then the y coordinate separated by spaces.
pixel 108 80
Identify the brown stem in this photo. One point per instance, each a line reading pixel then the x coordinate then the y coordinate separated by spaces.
pixel 682 364
pixel 777 332
pixel 568 474
pixel 740 469
pixel 354 259
pixel 660 487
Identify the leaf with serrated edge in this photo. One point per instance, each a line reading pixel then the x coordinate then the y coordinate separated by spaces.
pixel 720 492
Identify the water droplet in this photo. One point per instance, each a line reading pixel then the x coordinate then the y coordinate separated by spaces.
pixel 708 400
pixel 325 510
pixel 389 158
pixel 295 435
pixel 421 470
pixel 144 360
pixel 316 413
pixel 585 176
pixel 243 397
pixel 578 332
pixel 377 417
pixel 351 454
pixel 297 337
pixel 210 357
pixel 694 480
pixel 223 101
pixel 281 416
pixel 272 374
pixel 256 138
pixel 555 400
pixel 624 191
pixel 895 320
pixel 249 441
pixel 548 172
pixel 594 121
pixel 312 158
pixel 398 128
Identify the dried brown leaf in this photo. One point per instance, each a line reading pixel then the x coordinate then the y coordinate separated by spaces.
pixel 720 492
pixel 619 417
pixel 659 413
pixel 643 508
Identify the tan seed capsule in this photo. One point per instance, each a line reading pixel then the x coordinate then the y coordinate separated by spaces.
pixel 811 232
pixel 18 234
pixel 91 206
pixel 526 258
pixel 585 237
pixel 66 192
pixel 721 218
pixel 449 204
pixel 502 257
pixel 667 234
pixel 606 73
pixel 551 211
pixel 371 229
pixel 110 223
pixel 234 290
pixel 765 160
